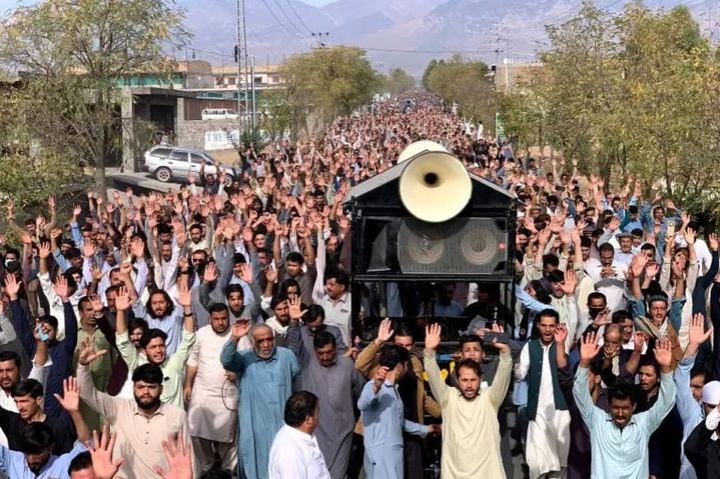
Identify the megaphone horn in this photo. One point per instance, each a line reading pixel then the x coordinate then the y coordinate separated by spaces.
pixel 414 149
pixel 435 186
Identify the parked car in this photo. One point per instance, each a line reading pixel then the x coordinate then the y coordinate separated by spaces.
pixel 177 163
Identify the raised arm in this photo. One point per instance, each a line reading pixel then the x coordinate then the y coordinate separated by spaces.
pixel 19 319
pixel 438 387
pixel 102 403
pixel 666 396
pixel 70 401
pixel 588 350
pixel 229 356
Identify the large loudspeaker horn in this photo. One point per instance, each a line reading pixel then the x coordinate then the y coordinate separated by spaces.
pixel 418 147
pixel 435 186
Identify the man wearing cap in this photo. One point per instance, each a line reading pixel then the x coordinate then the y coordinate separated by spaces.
pixel 695 398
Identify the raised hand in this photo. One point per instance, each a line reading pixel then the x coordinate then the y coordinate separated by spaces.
pixel 570 282
pixel 652 269
pixel 89 249
pixel 385 331
pixel 663 354
pixel 690 236
pixel 184 298
pixel 713 241
pixel 44 250
pixel 602 318
pixel 589 348
pixel 696 332
pixel 101 451
pixel 211 273
pixel 239 329
pixel 296 312
pixel 122 300
pixel 70 400
pixel 560 334
pixel 137 247
pixel 61 288
pixel 639 341
pixel 271 274
pixel 433 335
pixel 246 273
pixel 12 286
pixel 380 375
pixel 179 458
pixel 637 265
pixel 88 353
pixel 96 304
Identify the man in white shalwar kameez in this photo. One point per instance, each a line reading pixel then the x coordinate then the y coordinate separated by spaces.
pixel 212 412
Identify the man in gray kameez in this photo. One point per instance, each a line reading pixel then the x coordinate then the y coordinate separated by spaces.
pixel 383 418
pixel 337 383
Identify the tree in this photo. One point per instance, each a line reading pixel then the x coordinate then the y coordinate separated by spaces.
pixel 466 84
pixel 398 82
pixel 330 82
pixel 72 53
pixel 634 93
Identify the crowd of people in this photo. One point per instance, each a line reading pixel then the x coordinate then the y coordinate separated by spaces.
pixel 208 333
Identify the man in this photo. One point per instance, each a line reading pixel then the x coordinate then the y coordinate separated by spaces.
pixel 28 395
pixel 609 277
pixel 61 352
pixel 212 395
pixel 280 321
pixel 160 313
pixel 411 387
pixel 665 442
pixel 142 424
pixel 336 301
pixel 35 459
pixel 696 397
pixel 338 384
pixel 313 323
pixel 469 416
pixel 547 447
pixel 155 347
pixel 295 453
pixel 619 440
pixel 579 458
pixel 383 420
pixel 266 376
pixel 702 448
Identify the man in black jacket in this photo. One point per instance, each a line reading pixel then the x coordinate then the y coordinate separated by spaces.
pixel 702 448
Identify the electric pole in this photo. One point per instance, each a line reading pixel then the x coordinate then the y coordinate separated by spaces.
pixel 241 57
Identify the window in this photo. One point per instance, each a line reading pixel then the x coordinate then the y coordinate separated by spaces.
pixel 161 152
pixel 197 159
pixel 179 155
pixel 231 80
pixel 275 79
pixel 258 79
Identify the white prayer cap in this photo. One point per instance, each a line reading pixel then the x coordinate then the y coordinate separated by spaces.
pixel 711 393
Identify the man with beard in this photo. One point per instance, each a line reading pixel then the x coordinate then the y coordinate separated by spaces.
pixel 547 411
pixel 211 395
pixel 313 324
pixel 160 313
pixel 337 383
pixel 619 439
pixel 234 295
pixel 142 424
pixel 266 377
pixel 155 348
pixel 469 415
pixel 35 458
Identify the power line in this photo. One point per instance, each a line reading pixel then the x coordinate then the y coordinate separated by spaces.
pixel 297 16
pixel 281 23
pixel 396 50
pixel 287 17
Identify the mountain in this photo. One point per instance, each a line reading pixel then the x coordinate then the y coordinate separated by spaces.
pixel 479 29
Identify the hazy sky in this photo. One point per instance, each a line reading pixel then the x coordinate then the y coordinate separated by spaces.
pixel 8 4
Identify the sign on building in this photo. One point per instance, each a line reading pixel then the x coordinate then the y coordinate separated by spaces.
pixel 222 139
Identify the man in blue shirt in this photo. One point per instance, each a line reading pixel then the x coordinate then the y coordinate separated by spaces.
pixel 619 440
pixel 383 417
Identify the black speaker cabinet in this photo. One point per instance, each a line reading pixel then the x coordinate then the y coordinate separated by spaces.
pixel 389 244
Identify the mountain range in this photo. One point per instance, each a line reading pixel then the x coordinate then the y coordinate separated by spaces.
pixel 479 29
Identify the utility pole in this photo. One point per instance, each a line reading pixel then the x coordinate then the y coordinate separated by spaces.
pixel 241 57
pixel 318 36
pixel 508 62
pixel 252 75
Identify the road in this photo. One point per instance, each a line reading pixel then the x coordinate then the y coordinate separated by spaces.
pixel 140 182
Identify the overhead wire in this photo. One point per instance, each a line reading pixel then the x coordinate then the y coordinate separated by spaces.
pixel 287 17
pixel 282 25
pixel 289 2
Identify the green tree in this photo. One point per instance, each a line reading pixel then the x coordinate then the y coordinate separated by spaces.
pixel 72 53
pixel 329 82
pixel 398 82
pixel 465 83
